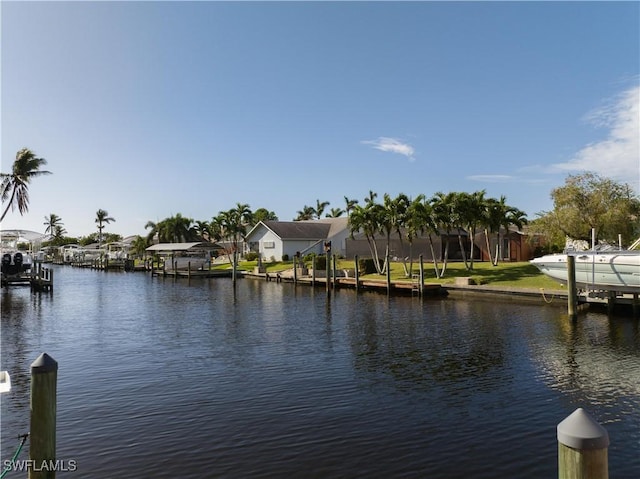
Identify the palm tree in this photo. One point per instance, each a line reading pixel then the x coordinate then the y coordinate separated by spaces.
pixel 153 227
pixel 365 219
pixel 139 246
pixel 350 204
pixel 51 223
pixel 307 213
pixel 444 217
pixel 424 216
pixel 59 232
pixel 15 185
pixel 473 213
pixel 202 230
pixel 102 217
pixel 319 209
pixel 233 226
pixel 414 224
pixel 335 213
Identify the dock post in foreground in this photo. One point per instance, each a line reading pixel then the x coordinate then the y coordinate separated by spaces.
pixel 572 299
pixel 42 436
pixel 582 448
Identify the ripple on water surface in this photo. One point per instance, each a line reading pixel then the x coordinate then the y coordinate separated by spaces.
pixel 174 379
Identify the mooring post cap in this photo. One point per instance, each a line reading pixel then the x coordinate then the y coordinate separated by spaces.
pixel 580 431
pixel 44 364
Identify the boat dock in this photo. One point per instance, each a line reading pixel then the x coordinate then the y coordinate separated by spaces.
pixel 39 279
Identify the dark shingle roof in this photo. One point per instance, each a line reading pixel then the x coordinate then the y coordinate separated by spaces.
pixel 306 230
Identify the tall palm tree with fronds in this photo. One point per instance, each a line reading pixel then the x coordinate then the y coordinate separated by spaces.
pixel 335 213
pixel 365 220
pixel 319 209
pixel 102 218
pixel 52 222
pixel 305 214
pixel 444 216
pixel 349 204
pixel 15 185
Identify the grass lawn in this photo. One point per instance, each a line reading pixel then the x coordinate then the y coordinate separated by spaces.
pixel 521 274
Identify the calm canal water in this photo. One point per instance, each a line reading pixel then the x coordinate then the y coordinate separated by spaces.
pixel 159 378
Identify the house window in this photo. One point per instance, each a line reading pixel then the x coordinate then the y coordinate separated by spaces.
pixel 269 244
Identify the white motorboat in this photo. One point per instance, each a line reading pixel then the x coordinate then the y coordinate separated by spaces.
pixel 16 264
pixel 606 270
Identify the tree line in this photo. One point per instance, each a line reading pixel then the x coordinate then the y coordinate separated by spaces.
pixel 586 202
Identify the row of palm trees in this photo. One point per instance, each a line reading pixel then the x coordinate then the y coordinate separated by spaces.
pixel 55 227
pixel 315 213
pixel 407 218
pixel 231 225
pixel 441 214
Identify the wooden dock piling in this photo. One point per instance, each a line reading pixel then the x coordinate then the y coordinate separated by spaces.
pixel 42 436
pixel 582 448
pixel 572 299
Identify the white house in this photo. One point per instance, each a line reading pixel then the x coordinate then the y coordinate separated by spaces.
pixel 273 239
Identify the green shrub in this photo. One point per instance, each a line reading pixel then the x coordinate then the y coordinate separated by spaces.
pixel 367 266
pixel 251 256
pixel 321 262
pixel 285 257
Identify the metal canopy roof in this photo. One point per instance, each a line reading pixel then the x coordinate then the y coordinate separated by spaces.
pixel 169 247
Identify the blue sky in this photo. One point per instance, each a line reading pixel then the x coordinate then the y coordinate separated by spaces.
pixel 148 109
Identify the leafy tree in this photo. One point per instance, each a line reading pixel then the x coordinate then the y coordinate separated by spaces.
pixel 263 214
pixel 589 201
pixel 15 185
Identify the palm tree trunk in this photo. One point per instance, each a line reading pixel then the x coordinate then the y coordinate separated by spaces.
pixel 433 256
pixel 446 257
pixel 6 210
pixel 472 234
pixel 486 239
pixel 462 250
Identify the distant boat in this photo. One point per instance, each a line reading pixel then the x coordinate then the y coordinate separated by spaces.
pixel 609 270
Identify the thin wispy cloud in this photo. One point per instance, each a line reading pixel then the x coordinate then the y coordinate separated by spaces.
pixel 392 145
pixel 618 155
pixel 491 178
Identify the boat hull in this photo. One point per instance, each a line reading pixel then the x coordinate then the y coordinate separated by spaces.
pixel 596 271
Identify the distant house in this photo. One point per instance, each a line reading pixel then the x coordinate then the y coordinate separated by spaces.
pixel 514 246
pixel 275 239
